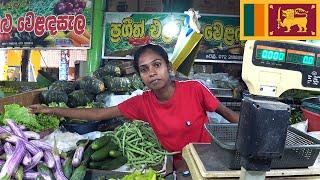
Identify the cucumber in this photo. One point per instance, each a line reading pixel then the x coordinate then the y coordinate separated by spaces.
pixel 100 142
pixel 104 151
pixel 79 173
pixel 67 168
pixel 114 153
pixel 41 168
pixel 109 164
pixel 86 155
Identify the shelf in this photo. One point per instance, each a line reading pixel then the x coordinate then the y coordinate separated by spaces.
pixel 216 61
pixel 196 60
pixel 222 92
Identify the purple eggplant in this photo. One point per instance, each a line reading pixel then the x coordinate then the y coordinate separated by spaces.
pixel 1 148
pixel 31 135
pixel 4 130
pixel 30 147
pixel 31 175
pixel 49 159
pixel 57 170
pixel 27 159
pixel 8 149
pixel 34 161
pixel 15 129
pixel 7 128
pixel 41 145
pixel 78 154
pixel 13 162
pixel 2 162
pixel 22 127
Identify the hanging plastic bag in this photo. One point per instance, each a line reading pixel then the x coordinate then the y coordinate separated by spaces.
pixel 187 45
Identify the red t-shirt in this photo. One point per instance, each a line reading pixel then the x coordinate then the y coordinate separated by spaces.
pixel 178 121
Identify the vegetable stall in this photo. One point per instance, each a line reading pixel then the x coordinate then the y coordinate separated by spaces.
pixel 45 146
pixel 32 145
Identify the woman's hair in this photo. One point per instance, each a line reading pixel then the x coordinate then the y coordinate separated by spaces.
pixel 155 48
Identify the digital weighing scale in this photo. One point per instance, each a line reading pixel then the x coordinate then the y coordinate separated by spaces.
pixel 269 68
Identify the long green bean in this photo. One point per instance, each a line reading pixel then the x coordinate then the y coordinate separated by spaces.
pixel 139 144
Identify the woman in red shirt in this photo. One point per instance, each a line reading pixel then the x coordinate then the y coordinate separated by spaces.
pixel 176 110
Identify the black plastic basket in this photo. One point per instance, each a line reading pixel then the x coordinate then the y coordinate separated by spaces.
pixel 301 150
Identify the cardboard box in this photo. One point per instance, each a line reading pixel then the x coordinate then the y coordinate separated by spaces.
pixel 123 5
pixel 24 99
pixel 150 5
pixel 231 7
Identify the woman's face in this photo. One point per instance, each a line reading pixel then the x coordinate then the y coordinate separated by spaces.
pixel 154 71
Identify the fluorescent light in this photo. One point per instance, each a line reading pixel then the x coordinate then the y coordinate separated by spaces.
pixel 170 29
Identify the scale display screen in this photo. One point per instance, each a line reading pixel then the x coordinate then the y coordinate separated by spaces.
pixel 300 57
pixel 290 56
pixel 267 53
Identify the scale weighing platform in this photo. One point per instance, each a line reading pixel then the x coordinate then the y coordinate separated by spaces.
pixel 204 164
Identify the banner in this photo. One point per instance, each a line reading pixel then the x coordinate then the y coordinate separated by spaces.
pixel 53 24
pixel 125 32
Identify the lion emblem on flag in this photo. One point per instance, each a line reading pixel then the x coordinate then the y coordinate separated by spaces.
pixel 291 20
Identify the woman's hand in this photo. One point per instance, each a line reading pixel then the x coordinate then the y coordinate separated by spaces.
pixel 227 113
pixel 38 108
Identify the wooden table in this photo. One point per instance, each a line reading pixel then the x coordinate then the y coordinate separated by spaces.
pixel 214 170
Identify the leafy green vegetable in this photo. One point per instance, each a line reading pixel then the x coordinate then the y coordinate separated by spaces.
pixel 149 175
pixel 59 104
pixel 297 94
pixel 296 116
pixel 48 122
pixel 21 116
pixel 33 122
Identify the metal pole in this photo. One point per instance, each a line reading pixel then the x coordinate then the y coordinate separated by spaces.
pixel 94 54
pixel 24 64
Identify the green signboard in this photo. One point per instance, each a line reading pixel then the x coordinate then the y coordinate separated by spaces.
pixel 125 32
pixel 52 24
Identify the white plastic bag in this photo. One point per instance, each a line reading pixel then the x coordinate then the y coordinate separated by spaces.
pixel 66 141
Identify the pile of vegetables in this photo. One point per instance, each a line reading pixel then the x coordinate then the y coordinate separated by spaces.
pixel 297 95
pixel 25 156
pixel 296 116
pixel 104 81
pixel 71 94
pixel 150 174
pixel 133 144
pixel 8 89
pixel 33 122
pixel 139 145
pixel 102 154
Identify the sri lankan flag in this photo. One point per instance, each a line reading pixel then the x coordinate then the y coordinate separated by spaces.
pixel 279 20
pixel 253 20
